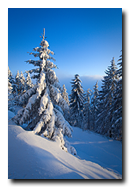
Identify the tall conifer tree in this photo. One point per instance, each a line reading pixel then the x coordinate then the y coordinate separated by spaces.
pixel 65 94
pixel 87 110
pixel 45 108
pixel 76 102
pixel 117 105
pixel 106 96
pixel 94 107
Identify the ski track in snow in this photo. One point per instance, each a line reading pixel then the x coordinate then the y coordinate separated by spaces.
pixel 34 157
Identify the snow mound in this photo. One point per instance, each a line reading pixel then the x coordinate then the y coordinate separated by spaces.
pixel 33 157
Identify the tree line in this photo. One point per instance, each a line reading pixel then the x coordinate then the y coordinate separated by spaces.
pixel 100 111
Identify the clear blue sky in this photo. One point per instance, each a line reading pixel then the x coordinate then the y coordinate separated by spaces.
pixel 84 40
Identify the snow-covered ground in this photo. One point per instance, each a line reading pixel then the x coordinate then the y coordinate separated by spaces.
pixel 97 148
pixel 33 157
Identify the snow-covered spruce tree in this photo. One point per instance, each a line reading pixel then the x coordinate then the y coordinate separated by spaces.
pixel 94 105
pixel 106 96
pixel 65 94
pixel 17 84
pixel 26 91
pixel 112 79
pixel 10 81
pixel 44 111
pixel 22 82
pixel 65 97
pixel 10 76
pixel 87 110
pixel 76 102
pixel 117 104
pixel 10 89
pixel 28 81
pixel 102 110
pixel 19 87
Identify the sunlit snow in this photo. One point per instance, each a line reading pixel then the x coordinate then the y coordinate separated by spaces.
pixel 33 157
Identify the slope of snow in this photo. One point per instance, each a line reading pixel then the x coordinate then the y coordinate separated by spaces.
pixel 33 157
pixel 97 148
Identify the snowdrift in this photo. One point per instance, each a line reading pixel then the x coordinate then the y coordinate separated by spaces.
pixel 33 157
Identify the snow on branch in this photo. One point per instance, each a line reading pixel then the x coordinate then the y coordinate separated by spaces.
pixel 62 123
pixel 55 93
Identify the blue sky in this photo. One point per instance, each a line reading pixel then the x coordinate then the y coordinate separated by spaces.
pixel 84 40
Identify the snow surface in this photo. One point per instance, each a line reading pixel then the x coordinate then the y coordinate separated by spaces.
pixel 33 157
pixel 97 148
